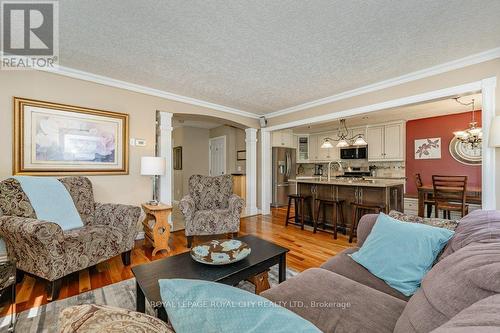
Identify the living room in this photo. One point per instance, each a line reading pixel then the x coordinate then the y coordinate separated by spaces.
pixel 93 174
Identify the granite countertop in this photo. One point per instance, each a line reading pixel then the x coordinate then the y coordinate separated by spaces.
pixel 351 182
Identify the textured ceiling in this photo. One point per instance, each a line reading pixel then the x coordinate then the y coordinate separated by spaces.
pixel 263 56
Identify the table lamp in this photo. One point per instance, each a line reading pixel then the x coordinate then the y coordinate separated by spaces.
pixel 153 166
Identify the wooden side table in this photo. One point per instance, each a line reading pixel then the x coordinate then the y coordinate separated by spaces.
pixel 157 234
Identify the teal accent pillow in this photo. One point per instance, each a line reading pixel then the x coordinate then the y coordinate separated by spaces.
pixel 401 253
pixel 202 306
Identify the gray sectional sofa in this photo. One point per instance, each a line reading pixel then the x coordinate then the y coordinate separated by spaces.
pixel 459 294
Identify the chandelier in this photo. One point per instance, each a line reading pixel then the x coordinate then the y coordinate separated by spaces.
pixel 472 136
pixel 343 138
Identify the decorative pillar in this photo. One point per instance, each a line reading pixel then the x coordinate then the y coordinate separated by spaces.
pixel 165 150
pixel 488 170
pixel 266 185
pixel 251 171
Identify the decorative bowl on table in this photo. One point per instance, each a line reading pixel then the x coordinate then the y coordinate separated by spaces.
pixel 220 252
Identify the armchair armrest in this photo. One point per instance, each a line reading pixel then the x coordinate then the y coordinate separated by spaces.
pixel 187 206
pixel 117 215
pixel 32 243
pixel 236 204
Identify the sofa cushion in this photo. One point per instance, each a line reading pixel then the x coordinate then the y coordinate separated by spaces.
pixel 210 192
pixel 204 306
pixel 337 304
pixel 13 200
pixel 432 221
pixel 343 264
pixel 453 284
pixel 482 317
pixel 80 189
pixel 478 226
pixel 401 253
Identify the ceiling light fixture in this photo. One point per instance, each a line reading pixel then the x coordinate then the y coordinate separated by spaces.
pixel 472 136
pixel 343 138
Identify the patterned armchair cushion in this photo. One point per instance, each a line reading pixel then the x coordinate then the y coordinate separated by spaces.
pixel 90 245
pixel 212 222
pixel 80 189
pixel 13 200
pixel 210 192
pixel 91 318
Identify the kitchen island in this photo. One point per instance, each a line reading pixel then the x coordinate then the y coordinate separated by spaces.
pixel 390 193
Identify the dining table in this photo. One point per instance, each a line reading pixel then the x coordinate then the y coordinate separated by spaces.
pixel 473 196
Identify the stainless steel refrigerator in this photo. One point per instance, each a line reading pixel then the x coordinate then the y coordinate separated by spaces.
pixel 283 171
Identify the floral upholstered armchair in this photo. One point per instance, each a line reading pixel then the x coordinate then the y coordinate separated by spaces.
pixel 43 249
pixel 211 208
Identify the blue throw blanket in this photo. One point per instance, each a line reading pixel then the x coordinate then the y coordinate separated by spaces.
pixel 51 201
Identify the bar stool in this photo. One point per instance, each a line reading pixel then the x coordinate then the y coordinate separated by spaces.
pixel 336 213
pixel 358 210
pixel 297 199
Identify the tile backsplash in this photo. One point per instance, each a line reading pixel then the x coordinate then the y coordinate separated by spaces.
pixel 382 169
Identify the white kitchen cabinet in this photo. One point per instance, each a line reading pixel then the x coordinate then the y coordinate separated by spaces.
pixel 394 142
pixel 386 142
pixel 284 138
pixel 313 148
pixel 303 143
pixel 375 140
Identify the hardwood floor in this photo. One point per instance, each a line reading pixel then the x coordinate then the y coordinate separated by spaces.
pixel 306 250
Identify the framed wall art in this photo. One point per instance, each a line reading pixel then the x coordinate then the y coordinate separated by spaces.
pixel 241 155
pixel 177 160
pixel 59 139
pixel 428 148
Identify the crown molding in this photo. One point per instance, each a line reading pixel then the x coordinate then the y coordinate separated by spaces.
pixel 431 71
pixel 104 80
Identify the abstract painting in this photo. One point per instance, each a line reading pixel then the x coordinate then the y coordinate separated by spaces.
pixel 428 149
pixel 60 139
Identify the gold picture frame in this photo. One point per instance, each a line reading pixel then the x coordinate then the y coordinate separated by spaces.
pixel 60 139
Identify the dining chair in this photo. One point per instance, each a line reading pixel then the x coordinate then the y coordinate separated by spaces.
pixel 428 199
pixel 450 195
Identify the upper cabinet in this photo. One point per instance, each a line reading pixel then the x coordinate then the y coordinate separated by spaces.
pixel 303 148
pixel 284 138
pixel 386 142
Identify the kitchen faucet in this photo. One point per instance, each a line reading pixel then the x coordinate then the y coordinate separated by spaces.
pixel 330 168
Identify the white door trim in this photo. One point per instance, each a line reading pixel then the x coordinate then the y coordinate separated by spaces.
pixel 210 157
pixel 165 143
pixel 487 87
pixel 251 171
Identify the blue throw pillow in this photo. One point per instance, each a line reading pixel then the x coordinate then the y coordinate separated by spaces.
pixel 202 306
pixel 401 253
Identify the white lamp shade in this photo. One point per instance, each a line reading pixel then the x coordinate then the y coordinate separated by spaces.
pixel 152 166
pixel 495 132
pixel 342 143
pixel 360 141
pixel 326 144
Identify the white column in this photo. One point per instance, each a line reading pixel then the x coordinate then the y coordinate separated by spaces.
pixel 266 186
pixel 166 151
pixel 488 87
pixel 251 171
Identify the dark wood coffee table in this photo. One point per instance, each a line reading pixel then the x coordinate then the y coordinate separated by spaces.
pixel 264 255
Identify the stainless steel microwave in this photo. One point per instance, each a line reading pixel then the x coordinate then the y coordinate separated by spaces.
pixel 357 153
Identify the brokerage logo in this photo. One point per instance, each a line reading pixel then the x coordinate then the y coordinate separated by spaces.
pixel 30 35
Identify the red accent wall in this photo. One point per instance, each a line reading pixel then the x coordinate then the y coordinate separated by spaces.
pixel 438 127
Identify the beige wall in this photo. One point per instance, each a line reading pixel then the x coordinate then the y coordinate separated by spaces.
pixel 194 142
pixel 234 137
pixel 130 189
pixel 449 79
